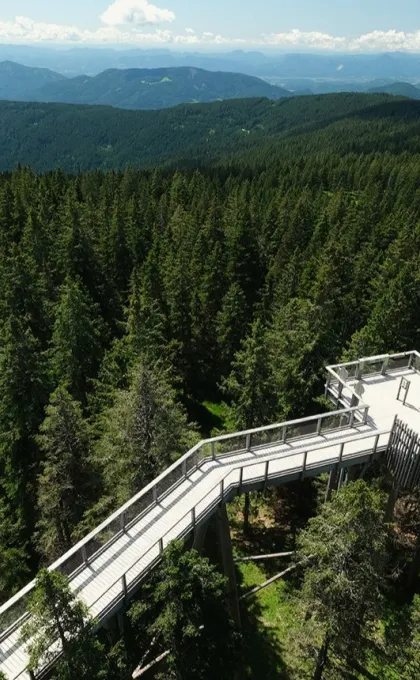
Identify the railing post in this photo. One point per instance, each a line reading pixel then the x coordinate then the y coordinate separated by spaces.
pixel 222 490
pixel 267 465
pixel 248 442
pixel 305 459
pixel 213 450
pixel 327 384
pixel 193 517
pixel 410 361
pixel 385 364
pixel 184 468
pixel 351 423
pixel 319 425
pixel 122 521
pixel 124 585
pixel 359 370
pixel 339 390
pixel 161 545
pixel 155 494
pixel 365 415
pixel 340 455
pixel 284 434
pixel 241 476
pixel 84 555
pixel 375 446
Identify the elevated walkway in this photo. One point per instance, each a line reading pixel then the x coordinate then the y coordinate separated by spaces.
pixel 107 566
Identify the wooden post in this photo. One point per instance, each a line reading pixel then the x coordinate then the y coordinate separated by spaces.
pixel 228 564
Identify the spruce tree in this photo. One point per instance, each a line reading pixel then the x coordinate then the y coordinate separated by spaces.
pixel 66 485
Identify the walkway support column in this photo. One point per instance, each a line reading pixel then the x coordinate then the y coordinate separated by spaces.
pixel 200 537
pixel 228 564
pixel 331 485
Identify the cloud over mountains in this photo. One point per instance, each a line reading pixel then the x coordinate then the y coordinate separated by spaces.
pixel 140 22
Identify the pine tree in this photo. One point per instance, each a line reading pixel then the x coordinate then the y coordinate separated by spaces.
pixel 76 348
pixel 143 432
pixel 187 601
pixel 57 616
pixel 66 484
pixel 346 546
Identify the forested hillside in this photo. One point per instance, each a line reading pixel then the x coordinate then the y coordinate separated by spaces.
pixel 77 138
pixel 134 304
pixel 156 88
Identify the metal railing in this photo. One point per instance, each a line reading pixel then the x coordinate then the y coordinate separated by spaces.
pixel 237 477
pixel 355 370
pixel 89 548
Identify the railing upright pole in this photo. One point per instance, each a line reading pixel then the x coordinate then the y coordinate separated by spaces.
pixel 248 442
pixel 305 460
pixel 241 476
pixel 319 425
pixel 351 424
pixel 267 465
pixel 375 446
pixel 84 555
pixel 193 520
pixel 122 521
pixel 222 490
pixel 124 586
pixel 184 468
pixel 161 545
pixel 213 450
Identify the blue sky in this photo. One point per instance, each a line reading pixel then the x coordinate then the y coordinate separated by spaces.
pixel 334 25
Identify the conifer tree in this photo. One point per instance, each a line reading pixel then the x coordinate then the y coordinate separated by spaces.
pixel 186 599
pixel 143 432
pixel 76 347
pixel 66 484
pixel 58 616
pixel 346 545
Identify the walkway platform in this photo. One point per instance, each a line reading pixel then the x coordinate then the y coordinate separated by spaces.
pixel 108 565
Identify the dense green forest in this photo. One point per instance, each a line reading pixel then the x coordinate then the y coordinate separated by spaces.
pixel 142 309
pixel 79 138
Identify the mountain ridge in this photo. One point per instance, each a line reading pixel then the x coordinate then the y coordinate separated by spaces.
pixel 138 88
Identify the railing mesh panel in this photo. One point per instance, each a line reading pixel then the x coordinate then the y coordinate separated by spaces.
pixel 137 508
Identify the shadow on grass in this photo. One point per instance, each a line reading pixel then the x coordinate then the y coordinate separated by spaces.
pixel 262 650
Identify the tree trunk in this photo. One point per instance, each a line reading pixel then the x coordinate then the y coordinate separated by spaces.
pixel 322 660
pixel 392 499
pixel 246 513
pixel 415 565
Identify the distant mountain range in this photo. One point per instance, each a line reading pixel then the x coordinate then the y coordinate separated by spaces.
pixel 132 88
pixel 333 67
pixel 399 89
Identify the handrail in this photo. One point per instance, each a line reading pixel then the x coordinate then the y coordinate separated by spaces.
pixel 179 463
pixel 379 357
pixel 224 492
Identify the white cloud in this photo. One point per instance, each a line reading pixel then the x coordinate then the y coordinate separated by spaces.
pixel 26 30
pixel 376 41
pixel 136 12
